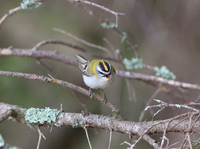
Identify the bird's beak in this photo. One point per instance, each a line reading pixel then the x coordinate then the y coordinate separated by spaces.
pixel 108 78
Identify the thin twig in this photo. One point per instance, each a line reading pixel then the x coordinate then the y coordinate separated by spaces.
pixel 175 105
pixel 169 147
pixel 50 70
pixel 189 140
pixel 110 139
pixel 40 137
pixel 9 13
pixel 148 103
pixel 81 104
pixel 164 136
pixel 103 8
pixel 71 45
pixel 88 139
pixel 125 142
pixel 155 114
pixel 184 141
pixel 111 47
pixel 141 136
pixel 105 20
pixel 131 91
pixel 83 41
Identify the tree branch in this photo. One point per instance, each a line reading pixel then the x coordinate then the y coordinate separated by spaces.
pixel 68 60
pixel 9 13
pixel 106 122
pixel 79 89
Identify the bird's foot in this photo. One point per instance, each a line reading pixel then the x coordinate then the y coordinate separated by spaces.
pixel 91 93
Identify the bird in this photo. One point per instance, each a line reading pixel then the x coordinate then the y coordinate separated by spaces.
pixel 97 74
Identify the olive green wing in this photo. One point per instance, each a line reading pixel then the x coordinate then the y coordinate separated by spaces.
pixel 83 64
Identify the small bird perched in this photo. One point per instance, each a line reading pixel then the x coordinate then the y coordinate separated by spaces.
pixel 98 73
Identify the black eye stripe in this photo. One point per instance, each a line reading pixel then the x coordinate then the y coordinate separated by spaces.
pixel 104 74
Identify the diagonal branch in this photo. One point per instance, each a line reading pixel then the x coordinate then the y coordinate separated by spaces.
pixel 9 13
pixel 79 89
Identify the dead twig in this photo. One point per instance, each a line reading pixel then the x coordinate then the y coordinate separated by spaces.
pixel 117 14
pixel 83 41
pixel 9 13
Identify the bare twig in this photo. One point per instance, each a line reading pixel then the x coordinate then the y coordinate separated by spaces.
pixel 184 142
pixel 117 14
pixel 88 139
pixel 131 91
pixel 74 46
pixel 189 140
pixel 169 147
pixel 110 139
pixel 83 41
pixel 50 70
pixel 151 141
pixel 111 47
pixel 148 103
pixel 125 142
pixel 9 13
pixel 164 104
pixel 164 137
pixel 40 136
pixel 105 20
pixel 81 104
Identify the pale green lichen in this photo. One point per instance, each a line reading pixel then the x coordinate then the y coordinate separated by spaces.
pixel 124 36
pixel 147 108
pixel 2 142
pixel 77 123
pixel 29 4
pixel 4 145
pixel 36 115
pixel 134 63
pixel 178 106
pixel 164 73
pixel 108 26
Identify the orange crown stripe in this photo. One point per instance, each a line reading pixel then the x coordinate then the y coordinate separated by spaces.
pixel 104 65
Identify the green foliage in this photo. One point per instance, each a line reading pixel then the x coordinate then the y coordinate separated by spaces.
pixel 164 73
pixel 36 115
pixel 134 63
pixel 29 4
pixel 196 143
pixel 108 26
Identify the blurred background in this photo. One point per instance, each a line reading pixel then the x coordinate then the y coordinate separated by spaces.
pixel 166 32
